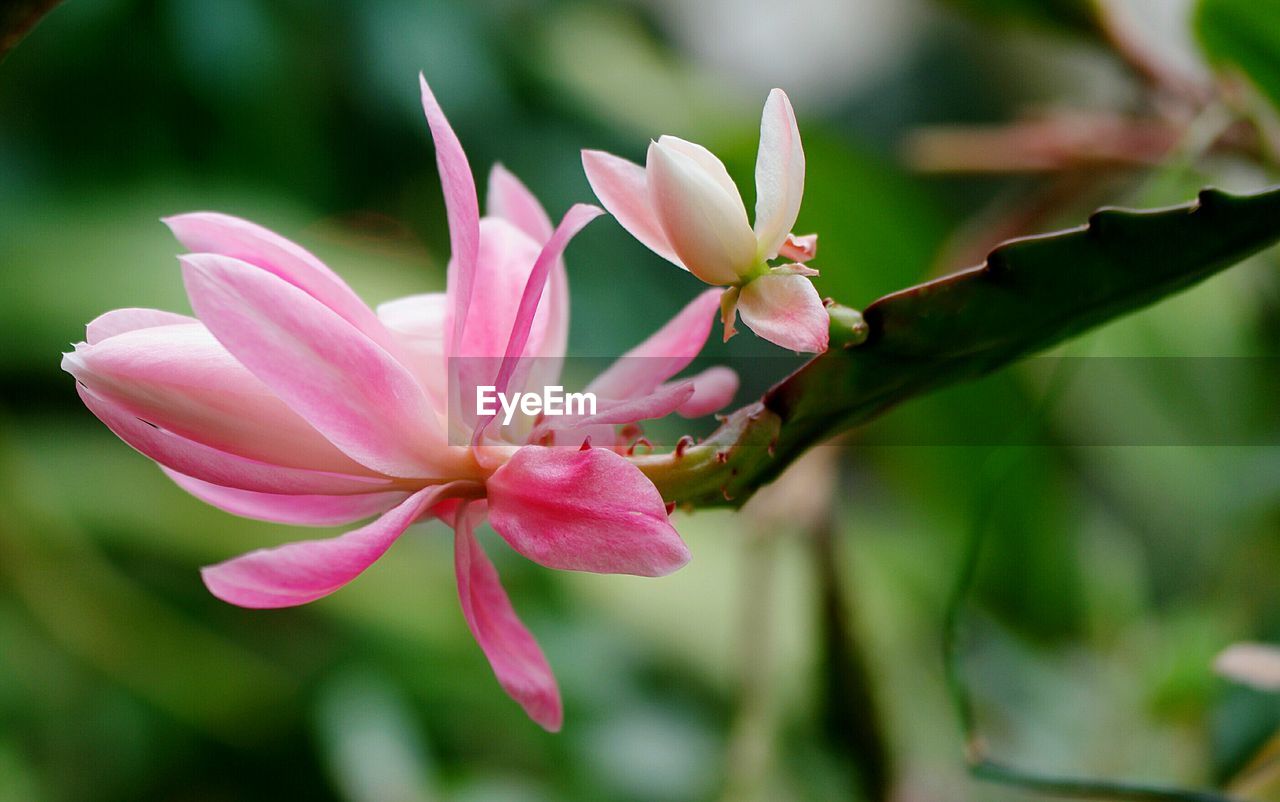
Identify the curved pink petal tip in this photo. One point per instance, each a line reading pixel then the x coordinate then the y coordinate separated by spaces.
pixel 297 573
pixel 713 389
pixel 511 200
pixel 517 660
pixel 461 206
pixel 623 189
pixel 667 352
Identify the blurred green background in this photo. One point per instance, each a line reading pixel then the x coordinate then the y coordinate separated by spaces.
pixel 798 655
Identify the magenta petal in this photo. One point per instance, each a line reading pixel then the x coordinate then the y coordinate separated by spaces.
pixel 511 200
pixel 518 662
pixel 461 206
pixel 589 510
pixel 299 510
pixel 296 573
pixel 667 352
pixel 210 232
pixel 119 321
pixel 714 388
pixel 352 391
pixel 219 467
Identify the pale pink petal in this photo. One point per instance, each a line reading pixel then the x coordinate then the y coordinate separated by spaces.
pixel 623 190
pixel 342 383
pixel 180 378
pixel 1254 664
pixel 511 200
pixel 118 321
pixel 219 467
pixel 661 402
pixel 710 164
pixel 588 510
pixel 786 311
pixel 793 269
pixel 296 573
pixel 574 220
pixel 667 352
pixel 714 388
pixel 518 663
pixel 462 207
pixel 211 232
pixel 779 174
pixel 705 224
pixel 308 510
pixel 418 321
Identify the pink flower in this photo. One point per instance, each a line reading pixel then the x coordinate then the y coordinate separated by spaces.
pixel 288 399
pixel 684 207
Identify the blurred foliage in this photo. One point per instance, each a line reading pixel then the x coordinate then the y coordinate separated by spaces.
pixel 1245 36
pixel 1076 16
pixel 1112 573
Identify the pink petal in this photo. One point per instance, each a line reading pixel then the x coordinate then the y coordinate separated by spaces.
pixel 799 249
pixel 714 388
pixel 786 311
pixel 352 391
pixel 418 321
pixel 705 223
pixel 296 573
pixel 586 510
pixel 519 664
pixel 511 200
pixel 219 467
pixel 507 257
pixel 667 352
pixel 462 207
pixel 661 402
pixel 779 174
pixel 210 232
pixel 119 321
pixel 574 220
pixel 308 510
pixel 178 377
pixel 623 189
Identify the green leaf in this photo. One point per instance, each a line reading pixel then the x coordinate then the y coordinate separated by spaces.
pixel 1243 35
pixel 1030 294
